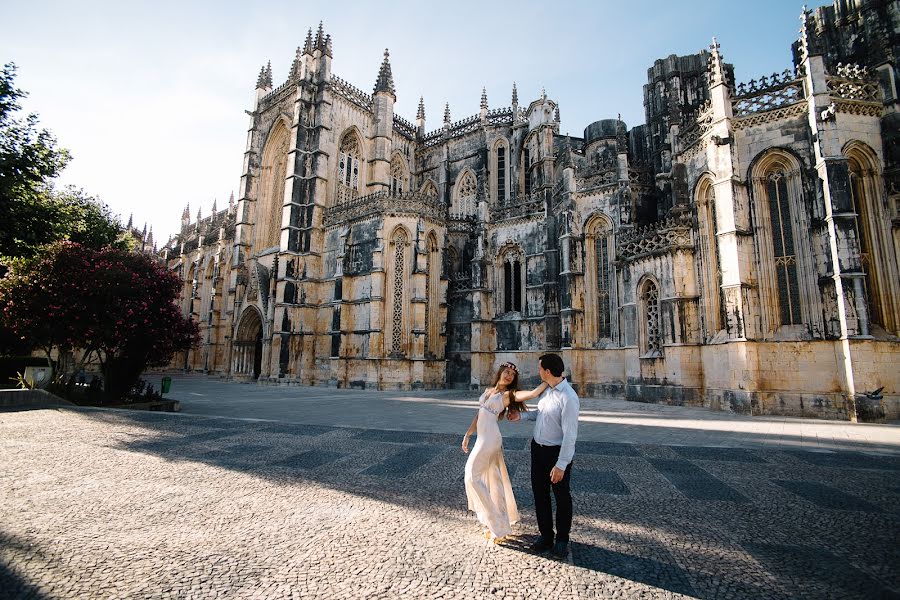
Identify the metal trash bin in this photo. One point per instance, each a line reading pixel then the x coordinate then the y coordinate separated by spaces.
pixel 166 385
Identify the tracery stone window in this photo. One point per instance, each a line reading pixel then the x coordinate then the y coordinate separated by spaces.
pixel 526 165
pixel 783 253
pixel 398 176
pixel 651 325
pixel 511 264
pixel 398 285
pixel 599 252
pixel 348 175
pixel 788 290
pixel 463 205
pixel 271 189
pixel 877 288
pixel 432 298
pixel 500 175
pixel 708 259
pixel 429 189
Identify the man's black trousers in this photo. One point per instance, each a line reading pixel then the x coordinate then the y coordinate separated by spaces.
pixel 543 459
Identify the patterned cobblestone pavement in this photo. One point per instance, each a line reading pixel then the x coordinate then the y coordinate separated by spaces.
pixel 106 504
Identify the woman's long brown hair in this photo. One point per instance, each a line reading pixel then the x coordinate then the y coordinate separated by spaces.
pixel 514 405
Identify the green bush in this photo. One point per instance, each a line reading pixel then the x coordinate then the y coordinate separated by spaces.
pixel 11 366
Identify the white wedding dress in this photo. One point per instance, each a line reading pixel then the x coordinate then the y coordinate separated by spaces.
pixel 488 488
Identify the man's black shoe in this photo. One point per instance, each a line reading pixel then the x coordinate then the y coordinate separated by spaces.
pixel 540 546
pixel 561 549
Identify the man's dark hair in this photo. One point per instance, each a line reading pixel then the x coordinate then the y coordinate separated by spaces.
pixel 552 363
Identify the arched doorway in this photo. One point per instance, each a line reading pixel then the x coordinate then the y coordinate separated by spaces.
pixel 247 348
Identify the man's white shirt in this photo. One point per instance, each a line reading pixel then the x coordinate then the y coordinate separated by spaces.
pixel 556 421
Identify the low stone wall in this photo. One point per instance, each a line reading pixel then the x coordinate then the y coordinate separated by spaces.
pixel 26 398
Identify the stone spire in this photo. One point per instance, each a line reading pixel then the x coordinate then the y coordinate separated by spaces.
pixel 420 118
pixel 320 37
pixel 716 71
pixel 447 114
pixel 556 114
pixel 231 201
pixel 186 215
pixel 296 65
pixel 543 93
pixel 308 44
pixel 264 81
pixel 130 221
pixel 327 51
pixel 199 213
pixel 214 207
pixel 150 236
pixel 515 95
pixel 809 41
pixel 484 102
pixel 385 81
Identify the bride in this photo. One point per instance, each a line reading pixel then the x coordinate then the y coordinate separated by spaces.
pixel 488 488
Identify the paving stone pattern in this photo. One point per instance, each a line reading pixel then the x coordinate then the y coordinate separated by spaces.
pixel 105 504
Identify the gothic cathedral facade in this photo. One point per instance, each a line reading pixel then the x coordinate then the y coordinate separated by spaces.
pixel 739 250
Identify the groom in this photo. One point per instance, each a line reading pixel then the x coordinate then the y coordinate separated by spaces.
pixel 552 449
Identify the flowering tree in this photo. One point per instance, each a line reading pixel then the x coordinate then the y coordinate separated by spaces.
pixel 114 304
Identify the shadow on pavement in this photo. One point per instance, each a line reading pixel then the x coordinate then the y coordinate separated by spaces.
pixel 705 522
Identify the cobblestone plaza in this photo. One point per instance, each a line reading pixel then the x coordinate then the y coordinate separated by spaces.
pixel 104 504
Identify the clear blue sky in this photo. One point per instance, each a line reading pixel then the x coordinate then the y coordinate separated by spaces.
pixel 150 97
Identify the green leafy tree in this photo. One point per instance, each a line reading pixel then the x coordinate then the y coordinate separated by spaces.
pixel 29 159
pixel 32 213
pixel 113 304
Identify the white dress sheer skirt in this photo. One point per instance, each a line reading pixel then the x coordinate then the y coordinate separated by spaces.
pixel 488 488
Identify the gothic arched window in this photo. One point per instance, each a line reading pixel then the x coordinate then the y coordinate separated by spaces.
pixel 526 166
pixel 512 265
pixel 787 283
pixel 708 259
pixel 464 197
pixel 398 285
pixel 651 330
pixel 432 298
pixel 599 278
pixel 398 176
pixel 271 189
pixel 877 288
pixel 348 168
pixel 500 175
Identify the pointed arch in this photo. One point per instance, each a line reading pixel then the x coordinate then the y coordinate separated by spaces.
pixel 599 277
pixel 432 296
pixel 273 173
pixel 708 264
pixel 650 319
pixel 787 286
pixel 429 189
pixel 397 318
pixel 349 175
pixel 465 193
pixel 500 171
pixel 878 284
pixel 399 175
pixel 246 352
pixel 527 159
pixel 511 268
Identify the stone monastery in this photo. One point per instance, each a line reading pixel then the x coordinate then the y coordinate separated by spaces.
pixel 739 250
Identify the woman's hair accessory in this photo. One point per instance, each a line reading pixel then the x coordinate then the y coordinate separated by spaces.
pixel 509 365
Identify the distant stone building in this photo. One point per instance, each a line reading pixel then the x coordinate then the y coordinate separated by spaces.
pixel 739 250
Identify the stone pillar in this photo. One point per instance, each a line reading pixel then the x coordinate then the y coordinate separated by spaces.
pixel 733 235
pixel 832 167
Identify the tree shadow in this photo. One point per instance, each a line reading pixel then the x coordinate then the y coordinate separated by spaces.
pixel 704 522
pixel 13 584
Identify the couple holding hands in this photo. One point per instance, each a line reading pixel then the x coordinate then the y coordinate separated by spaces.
pixel 555 419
